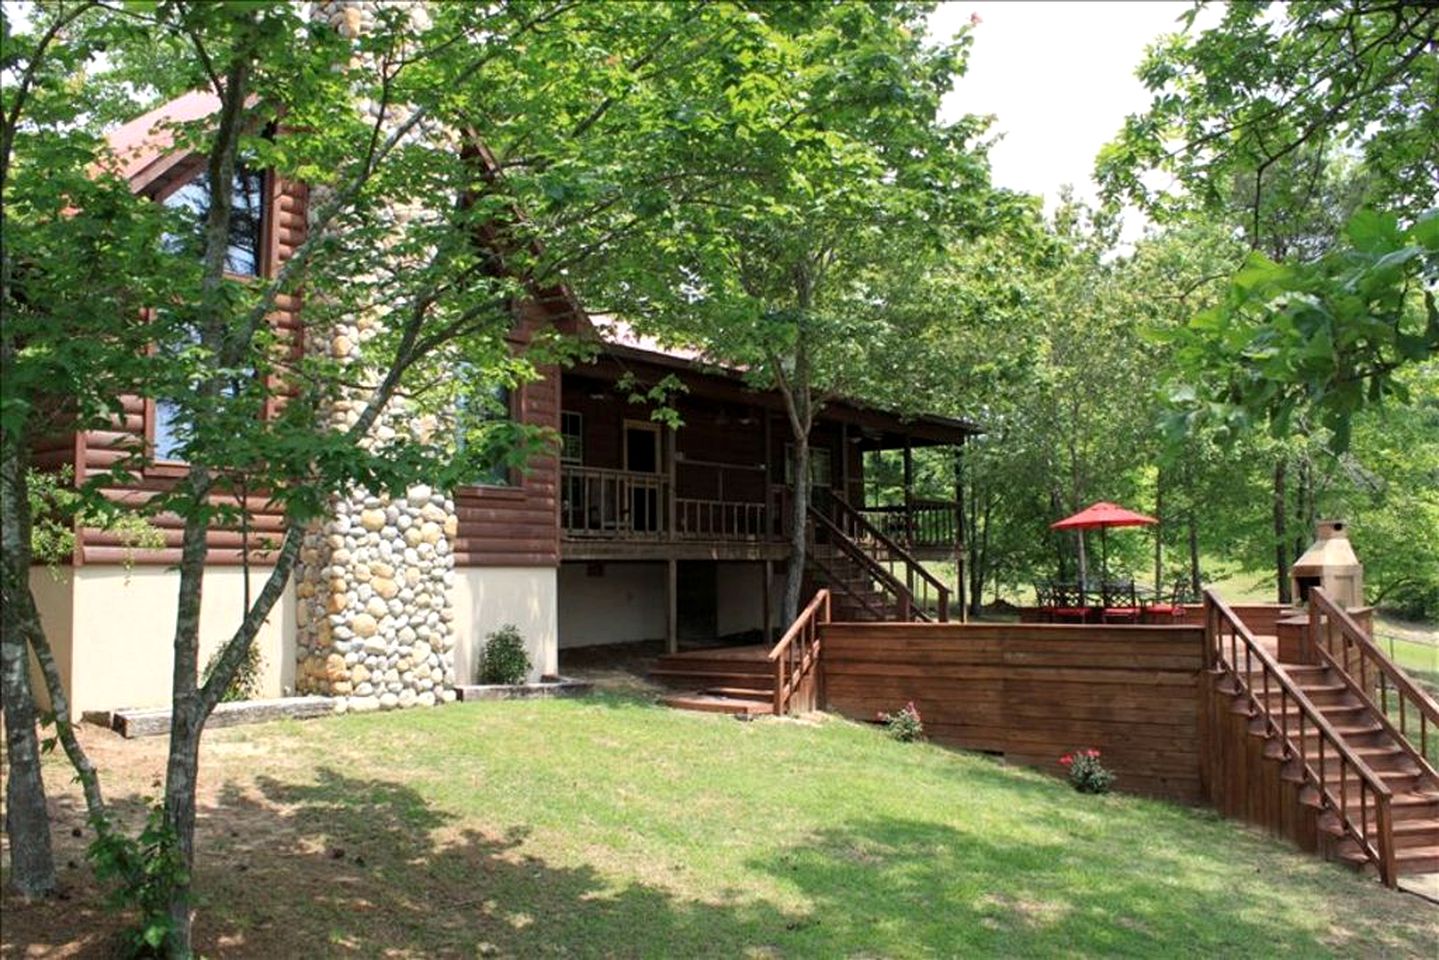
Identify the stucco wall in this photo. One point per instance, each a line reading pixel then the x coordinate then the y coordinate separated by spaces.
pixel 486 598
pixel 121 627
pixel 625 602
pixel 740 587
pixel 54 600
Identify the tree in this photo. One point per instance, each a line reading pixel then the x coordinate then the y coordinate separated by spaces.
pixel 440 150
pixel 1272 83
pixel 838 174
pixel 1252 115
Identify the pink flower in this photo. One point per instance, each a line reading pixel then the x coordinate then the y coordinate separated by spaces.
pixel 1066 760
pixel 1092 753
pixel 974 20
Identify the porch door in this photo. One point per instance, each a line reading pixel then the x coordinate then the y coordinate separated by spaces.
pixel 642 456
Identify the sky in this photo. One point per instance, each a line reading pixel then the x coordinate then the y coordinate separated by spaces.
pixel 1059 77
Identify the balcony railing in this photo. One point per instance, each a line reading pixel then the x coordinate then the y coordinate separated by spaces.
pixel 923 523
pixel 614 504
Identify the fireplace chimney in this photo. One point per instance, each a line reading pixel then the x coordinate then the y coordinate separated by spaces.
pixel 1330 563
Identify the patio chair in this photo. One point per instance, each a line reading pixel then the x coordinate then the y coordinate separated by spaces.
pixel 1068 604
pixel 1121 605
pixel 1170 609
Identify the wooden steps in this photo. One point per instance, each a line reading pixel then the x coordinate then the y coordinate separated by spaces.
pixel 732 680
pixel 1414 805
pixel 708 703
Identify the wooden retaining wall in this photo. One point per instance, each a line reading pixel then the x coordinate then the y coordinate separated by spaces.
pixel 1035 691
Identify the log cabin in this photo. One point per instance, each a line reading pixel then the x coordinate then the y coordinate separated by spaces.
pixel 630 530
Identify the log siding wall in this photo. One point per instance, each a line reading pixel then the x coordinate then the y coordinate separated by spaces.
pixel 1035 692
pixel 97 451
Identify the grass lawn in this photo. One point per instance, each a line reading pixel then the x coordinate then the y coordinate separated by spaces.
pixel 611 827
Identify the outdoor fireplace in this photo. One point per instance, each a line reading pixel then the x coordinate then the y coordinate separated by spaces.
pixel 1330 563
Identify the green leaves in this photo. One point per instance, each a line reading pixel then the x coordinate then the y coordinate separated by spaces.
pixel 1327 335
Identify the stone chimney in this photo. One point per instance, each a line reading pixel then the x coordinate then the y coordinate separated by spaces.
pixel 1330 564
pixel 374 613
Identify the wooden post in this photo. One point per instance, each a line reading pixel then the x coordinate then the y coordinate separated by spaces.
pixel 672 634
pixel 908 492
pixel 671 521
pixel 767 571
pixel 959 573
pixel 844 465
pixel 771 524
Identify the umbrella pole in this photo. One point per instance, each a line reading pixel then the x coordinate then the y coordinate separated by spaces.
pixel 1103 556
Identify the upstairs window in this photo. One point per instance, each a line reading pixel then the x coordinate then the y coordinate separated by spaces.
pixel 572 435
pixel 247 220
pixel 821 469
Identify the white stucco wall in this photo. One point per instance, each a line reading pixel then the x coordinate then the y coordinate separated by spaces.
pixel 113 631
pixel 740 589
pixel 53 590
pixel 486 598
pixel 625 602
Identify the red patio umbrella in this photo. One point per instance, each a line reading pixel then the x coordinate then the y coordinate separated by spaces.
pixel 1103 515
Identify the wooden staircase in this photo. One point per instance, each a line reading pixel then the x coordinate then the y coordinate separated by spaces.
pixel 871 577
pixel 733 680
pixel 756 679
pixel 1347 768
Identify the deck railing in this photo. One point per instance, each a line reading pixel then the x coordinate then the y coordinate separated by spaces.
pixel 795 659
pixel 1339 779
pixel 1409 715
pixel 921 523
pixel 721 519
pixel 600 502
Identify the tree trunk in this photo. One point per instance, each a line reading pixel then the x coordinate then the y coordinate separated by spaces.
pixel 186 720
pixel 1281 545
pixel 27 824
pixel 794 572
pixel 1194 584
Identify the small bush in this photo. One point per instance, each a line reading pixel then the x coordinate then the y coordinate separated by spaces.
pixel 906 726
pixel 1086 773
pixel 504 659
pixel 245 684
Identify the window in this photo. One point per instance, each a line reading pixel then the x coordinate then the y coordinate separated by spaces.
pixel 247 197
pixel 572 434
pixel 166 427
pixel 480 426
pixel 165 441
pixel 820 465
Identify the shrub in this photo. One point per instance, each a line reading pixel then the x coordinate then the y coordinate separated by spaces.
pixel 245 684
pixel 1086 773
pixel 504 659
pixel 906 726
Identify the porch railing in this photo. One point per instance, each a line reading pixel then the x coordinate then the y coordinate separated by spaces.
pixel 721 519
pixel 600 502
pixel 921 523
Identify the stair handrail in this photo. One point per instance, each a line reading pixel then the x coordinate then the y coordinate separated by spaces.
pixel 1406 690
pixel 908 609
pixel 878 611
pixel 1216 615
pixel 796 655
pixel 912 565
